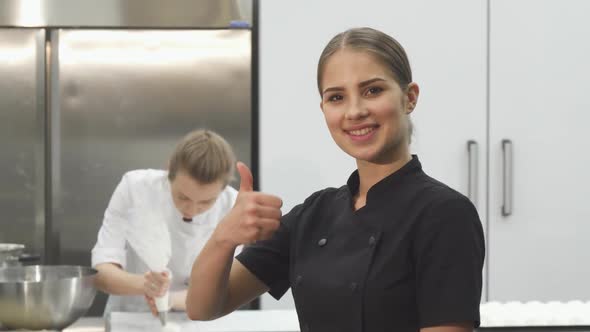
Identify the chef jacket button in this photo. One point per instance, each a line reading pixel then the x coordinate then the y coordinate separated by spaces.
pixel 298 280
pixel 353 286
pixel 322 242
pixel 372 241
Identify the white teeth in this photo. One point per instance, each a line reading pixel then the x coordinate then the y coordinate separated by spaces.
pixel 361 132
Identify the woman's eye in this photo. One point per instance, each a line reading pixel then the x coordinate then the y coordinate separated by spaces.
pixel 335 98
pixel 374 90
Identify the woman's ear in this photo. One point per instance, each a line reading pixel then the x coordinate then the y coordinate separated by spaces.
pixel 412 93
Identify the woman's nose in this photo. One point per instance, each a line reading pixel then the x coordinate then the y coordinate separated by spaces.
pixel 356 110
pixel 194 209
pixel 189 211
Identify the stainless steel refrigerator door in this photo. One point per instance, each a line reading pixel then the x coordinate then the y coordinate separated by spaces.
pixel 22 149
pixel 125 13
pixel 120 100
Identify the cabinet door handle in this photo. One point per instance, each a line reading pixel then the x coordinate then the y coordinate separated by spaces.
pixel 473 153
pixel 507 181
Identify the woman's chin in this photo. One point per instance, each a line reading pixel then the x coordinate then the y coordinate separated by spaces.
pixel 365 156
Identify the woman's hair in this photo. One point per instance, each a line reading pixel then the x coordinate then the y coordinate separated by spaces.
pixel 205 156
pixel 383 47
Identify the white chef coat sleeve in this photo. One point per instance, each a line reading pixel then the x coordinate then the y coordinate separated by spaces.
pixel 111 243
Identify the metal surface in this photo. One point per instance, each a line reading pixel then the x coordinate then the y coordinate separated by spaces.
pixel 507 177
pixel 11 248
pixel 22 64
pixel 45 297
pixel 472 177
pixel 120 100
pixel 124 13
pixel 9 253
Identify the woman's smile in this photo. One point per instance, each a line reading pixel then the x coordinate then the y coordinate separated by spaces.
pixel 362 133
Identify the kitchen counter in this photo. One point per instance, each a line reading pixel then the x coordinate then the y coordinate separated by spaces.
pixel 508 317
pixel 239 321
pixel 84 324
pixel 87 324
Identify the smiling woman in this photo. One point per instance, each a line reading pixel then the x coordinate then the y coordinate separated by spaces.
pixel 361 74
pixel 189 199
pixel 391 250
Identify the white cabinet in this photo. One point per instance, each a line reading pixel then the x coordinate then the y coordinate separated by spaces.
pixel 533 157
pixel 534 149
pixel 539 103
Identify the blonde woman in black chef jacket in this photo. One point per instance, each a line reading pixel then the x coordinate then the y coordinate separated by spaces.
pixel 391 250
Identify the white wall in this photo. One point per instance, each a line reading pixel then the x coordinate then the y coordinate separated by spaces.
pixel 297 153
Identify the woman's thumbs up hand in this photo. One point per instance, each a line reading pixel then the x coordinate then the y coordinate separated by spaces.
pixel 254 216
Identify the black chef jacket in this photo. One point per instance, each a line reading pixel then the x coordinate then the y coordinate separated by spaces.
pixel 412 257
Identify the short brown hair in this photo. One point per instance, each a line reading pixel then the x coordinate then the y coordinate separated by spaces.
pixel 205 156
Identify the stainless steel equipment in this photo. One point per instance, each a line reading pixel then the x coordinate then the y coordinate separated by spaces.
pixel 124 13
pixel 90 90
pixel 22 159
pixel 12 254
pixel 9 253
pixel 45 297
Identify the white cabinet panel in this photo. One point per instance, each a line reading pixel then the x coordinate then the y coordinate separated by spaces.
pixel 539 77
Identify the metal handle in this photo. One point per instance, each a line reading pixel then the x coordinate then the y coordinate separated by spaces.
pixel 507 177
pixel 29 258
pixel 473 153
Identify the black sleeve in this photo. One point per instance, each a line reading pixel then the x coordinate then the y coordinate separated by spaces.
pixel 269 260
pixel 449 254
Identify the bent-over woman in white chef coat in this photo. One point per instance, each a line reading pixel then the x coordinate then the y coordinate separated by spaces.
pixel 192 196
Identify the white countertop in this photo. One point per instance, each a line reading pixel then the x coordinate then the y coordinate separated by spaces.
pixel 238 321
pixel 535 313
pixel 573 314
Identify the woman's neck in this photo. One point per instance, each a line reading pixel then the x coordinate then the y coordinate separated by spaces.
pixel 371 173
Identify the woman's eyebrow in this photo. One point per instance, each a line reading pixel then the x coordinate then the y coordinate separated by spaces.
pixel 367 82
pixel 361 84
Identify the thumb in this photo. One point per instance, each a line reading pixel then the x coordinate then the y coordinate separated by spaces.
pixel 246 179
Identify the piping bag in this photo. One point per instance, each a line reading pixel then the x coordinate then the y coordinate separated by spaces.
pixel 148 235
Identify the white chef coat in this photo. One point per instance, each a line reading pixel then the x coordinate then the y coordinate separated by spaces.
pixel 152 188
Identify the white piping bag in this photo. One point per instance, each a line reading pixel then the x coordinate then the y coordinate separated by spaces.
pixel 148 235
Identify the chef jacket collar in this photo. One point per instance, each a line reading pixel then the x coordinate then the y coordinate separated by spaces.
pixel 381 188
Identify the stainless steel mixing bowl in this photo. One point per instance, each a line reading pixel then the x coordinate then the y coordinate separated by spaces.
pixel 44 297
